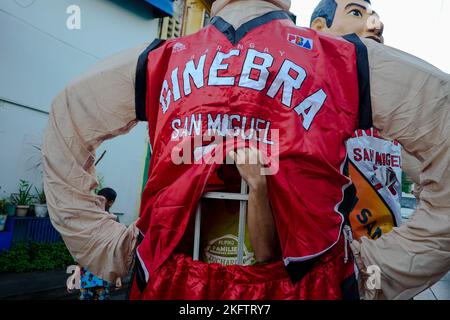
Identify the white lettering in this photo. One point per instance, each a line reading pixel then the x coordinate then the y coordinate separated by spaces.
pixel 214 79
pixel 289 83
pixel 176 132
pixel 165 99
pixel 196 73
pixel 246 81
pixel 175 85
pixel 236 130
pixel 213 125
pixel 313 102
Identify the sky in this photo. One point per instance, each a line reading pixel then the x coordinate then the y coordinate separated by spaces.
pixel 419 27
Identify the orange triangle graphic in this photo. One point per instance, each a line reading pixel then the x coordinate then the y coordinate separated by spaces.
pixel 371 216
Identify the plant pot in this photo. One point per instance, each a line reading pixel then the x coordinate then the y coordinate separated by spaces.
pixel 40 210
pixel 22 211
pixel 11 209
pixel 3 222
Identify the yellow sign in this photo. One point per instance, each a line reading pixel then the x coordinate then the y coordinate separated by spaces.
pixel 371 217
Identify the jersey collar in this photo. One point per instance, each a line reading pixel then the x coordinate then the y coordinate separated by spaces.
pixel 234 36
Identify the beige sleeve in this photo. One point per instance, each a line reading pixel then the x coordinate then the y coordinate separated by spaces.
pixel 411 166
pixel 411 103
pixel 96 107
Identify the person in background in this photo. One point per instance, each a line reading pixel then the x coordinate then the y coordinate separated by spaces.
pixel 92 287
pixel 110 195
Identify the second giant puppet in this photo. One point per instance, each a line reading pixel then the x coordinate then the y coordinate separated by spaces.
pixel 374 164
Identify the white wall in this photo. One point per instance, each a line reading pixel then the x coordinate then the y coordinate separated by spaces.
pixel 20 130
pixel 39 55
pixel 122 168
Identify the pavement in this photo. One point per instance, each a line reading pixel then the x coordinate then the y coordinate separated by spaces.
pixel 44 286
pixel 439 291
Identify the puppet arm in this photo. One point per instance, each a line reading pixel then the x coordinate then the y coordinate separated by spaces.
pixel 411 166
pixel 261 226
pixel 411 103
pixel 96 107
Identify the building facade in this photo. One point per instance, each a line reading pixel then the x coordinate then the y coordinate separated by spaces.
pixel 43 45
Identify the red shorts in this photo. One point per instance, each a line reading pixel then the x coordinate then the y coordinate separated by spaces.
pixel 181 278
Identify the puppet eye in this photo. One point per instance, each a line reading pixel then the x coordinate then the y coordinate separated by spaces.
pixel 356 13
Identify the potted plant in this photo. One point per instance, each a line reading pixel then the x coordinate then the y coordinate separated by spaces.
pixel 9 206
pixel 23 199
pixel 3 214
pixel 40 208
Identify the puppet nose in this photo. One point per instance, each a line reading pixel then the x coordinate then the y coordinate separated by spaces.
pixel 375 27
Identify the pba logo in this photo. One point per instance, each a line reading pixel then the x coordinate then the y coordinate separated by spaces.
pixel 300 41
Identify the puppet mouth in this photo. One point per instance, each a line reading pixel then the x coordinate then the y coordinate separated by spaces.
pixel 374 38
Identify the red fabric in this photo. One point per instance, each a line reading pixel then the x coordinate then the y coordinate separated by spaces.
pixel 307 189
pixel 180 278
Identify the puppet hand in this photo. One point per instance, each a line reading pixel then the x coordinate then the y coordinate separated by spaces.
pixel 364 277
pixel 248 162
pixel 356 249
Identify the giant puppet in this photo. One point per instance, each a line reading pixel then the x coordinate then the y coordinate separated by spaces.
pixel 228 71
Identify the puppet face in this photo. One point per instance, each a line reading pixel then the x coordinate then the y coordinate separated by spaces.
pixel 353 16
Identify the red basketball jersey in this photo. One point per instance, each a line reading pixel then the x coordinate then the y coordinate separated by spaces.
pixel 289 89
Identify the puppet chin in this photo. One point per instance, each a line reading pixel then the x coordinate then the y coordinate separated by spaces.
pixel 220 4
pixel 283 4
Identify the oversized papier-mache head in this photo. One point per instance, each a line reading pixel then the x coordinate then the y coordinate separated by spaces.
pixel 220 4
pixel 341 17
